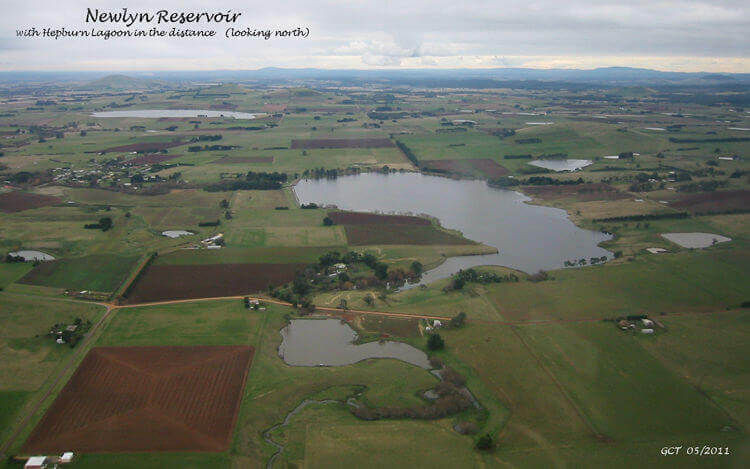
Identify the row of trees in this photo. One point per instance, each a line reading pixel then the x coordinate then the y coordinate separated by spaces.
pixel 104 224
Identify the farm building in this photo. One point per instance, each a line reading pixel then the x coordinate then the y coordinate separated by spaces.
pixel 647 331
pixel 35 462
pixel 66 457
pixel 647 322
pixel 213 240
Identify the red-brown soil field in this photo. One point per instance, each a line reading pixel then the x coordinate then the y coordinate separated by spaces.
pixel 313 144
pixel 360 218
pixel 363 229
pixel 243 159
pixel 18 201
pixel 364 235
pixel 150 159
pixel 484 166
pixel 142 399
pixel 146 146
pixel 274 107
pixel 583 192
pixel 720 201
pixel 176 282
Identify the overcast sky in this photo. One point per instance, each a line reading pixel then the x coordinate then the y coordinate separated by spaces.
pixel 665 35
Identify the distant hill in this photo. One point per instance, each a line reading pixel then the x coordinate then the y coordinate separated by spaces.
pixel 124 82
pixel 424 78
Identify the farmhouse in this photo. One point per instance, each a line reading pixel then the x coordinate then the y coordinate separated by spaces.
pixel 647 322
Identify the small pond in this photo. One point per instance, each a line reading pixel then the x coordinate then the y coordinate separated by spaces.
pixel 176 233
pixel 328 342
pixel 33 255
pixel 696 240
pixel 561 165
pixel 528 237
pixel 156 113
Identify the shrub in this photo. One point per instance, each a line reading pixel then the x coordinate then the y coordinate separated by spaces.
pixel 538 277
pixel 484 442
pixel 458 320
pixel 435 342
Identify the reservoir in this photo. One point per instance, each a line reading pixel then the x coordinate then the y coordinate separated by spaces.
pixel 528 237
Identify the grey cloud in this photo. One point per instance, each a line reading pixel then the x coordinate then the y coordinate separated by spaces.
pixel 392 34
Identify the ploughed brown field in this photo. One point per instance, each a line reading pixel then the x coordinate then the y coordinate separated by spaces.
pixel 365 235
pixel 274 107
pixel 243 159
pixel 484 166
pixel 18 201
pixel 312 144
pixel 142 399
pixel 151 159
pixel 583 192
pixel 360 218
pixel 364 229
pixel 177 282
pixel 146 146
pixel 720 201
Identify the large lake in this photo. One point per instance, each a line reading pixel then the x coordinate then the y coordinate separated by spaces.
pixel 528 237
pixel 156 113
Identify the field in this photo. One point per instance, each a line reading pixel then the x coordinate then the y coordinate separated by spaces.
pixel 580 192
pixel 243 159
pixel 170 282
pixel 484 167
pixel 151 159
pixel 17 201
pixel 365 229
pixel 142 147
pixel 97 272
pixel 360 218
pixel 724 201
pixel 140 399
pixel 28 357
pixel 375 234
pixel 342 143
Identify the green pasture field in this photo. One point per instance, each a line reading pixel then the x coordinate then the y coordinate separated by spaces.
pixel 27 355
pixel 101 273
pixel 707 280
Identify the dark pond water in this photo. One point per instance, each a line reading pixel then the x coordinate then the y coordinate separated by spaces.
pixel 528 237
pixel 328 342
pixel 156 113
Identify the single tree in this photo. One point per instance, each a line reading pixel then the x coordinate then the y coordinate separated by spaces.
pixel 458 320
pixel 435 342
pixel 484 442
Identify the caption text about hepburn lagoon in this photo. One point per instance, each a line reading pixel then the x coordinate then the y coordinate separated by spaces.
pixel 163 23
